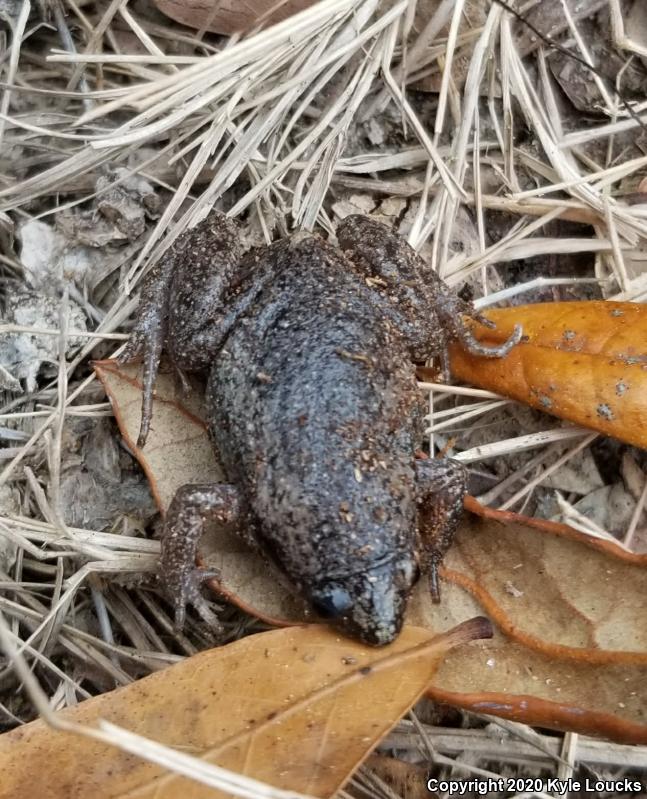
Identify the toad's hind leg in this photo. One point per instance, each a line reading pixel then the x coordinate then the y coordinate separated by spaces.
pixel 181 304
pixel 430 314
pixel 441 489
pixel 190 508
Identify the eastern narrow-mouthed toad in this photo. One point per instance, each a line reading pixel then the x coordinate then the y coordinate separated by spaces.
pixel 313 410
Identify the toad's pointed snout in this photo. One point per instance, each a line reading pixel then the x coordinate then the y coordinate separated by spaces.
pixel 371 605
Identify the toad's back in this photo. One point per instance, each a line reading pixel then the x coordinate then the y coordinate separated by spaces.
pixel 314 411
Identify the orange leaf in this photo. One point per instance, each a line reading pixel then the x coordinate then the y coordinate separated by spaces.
pixel 581 361
pixel 298 708
pixel 570 650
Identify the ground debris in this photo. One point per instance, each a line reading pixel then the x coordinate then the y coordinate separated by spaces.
pixel 22 354
pixel 128 203
pixel 100 484
pixel 51 259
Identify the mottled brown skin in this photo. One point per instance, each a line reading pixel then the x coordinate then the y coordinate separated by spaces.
pixel 313 410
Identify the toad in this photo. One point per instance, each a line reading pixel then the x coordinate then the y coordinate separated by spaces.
pixel 313 410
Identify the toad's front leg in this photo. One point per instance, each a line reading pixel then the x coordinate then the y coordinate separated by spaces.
pixel 192 506
pixel 441 488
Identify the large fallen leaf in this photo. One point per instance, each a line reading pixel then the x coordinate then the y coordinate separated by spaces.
pixel 581 361
pixel 553 588
pixel 570 649
pixel 298 708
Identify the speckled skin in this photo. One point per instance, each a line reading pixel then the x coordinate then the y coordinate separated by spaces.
pixel 313 409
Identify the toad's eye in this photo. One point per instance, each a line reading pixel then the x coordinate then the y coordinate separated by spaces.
pixel 331 602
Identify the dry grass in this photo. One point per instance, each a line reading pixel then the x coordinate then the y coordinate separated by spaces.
pixel 239 123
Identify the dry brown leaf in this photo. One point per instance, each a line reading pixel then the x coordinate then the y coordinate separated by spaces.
pixel 571 644
pixel 582 361
pixel 298 708
pixel 592 593
pixel 229 17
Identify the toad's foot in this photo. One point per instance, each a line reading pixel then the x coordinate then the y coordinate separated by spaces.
pixel 151 328
pixel 189 592
pixel 192 506
pixel 475 347
pixel 452 312
pixel 442 485
pixel 147 338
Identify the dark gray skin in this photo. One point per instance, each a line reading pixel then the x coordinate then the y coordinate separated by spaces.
pixel 313 410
